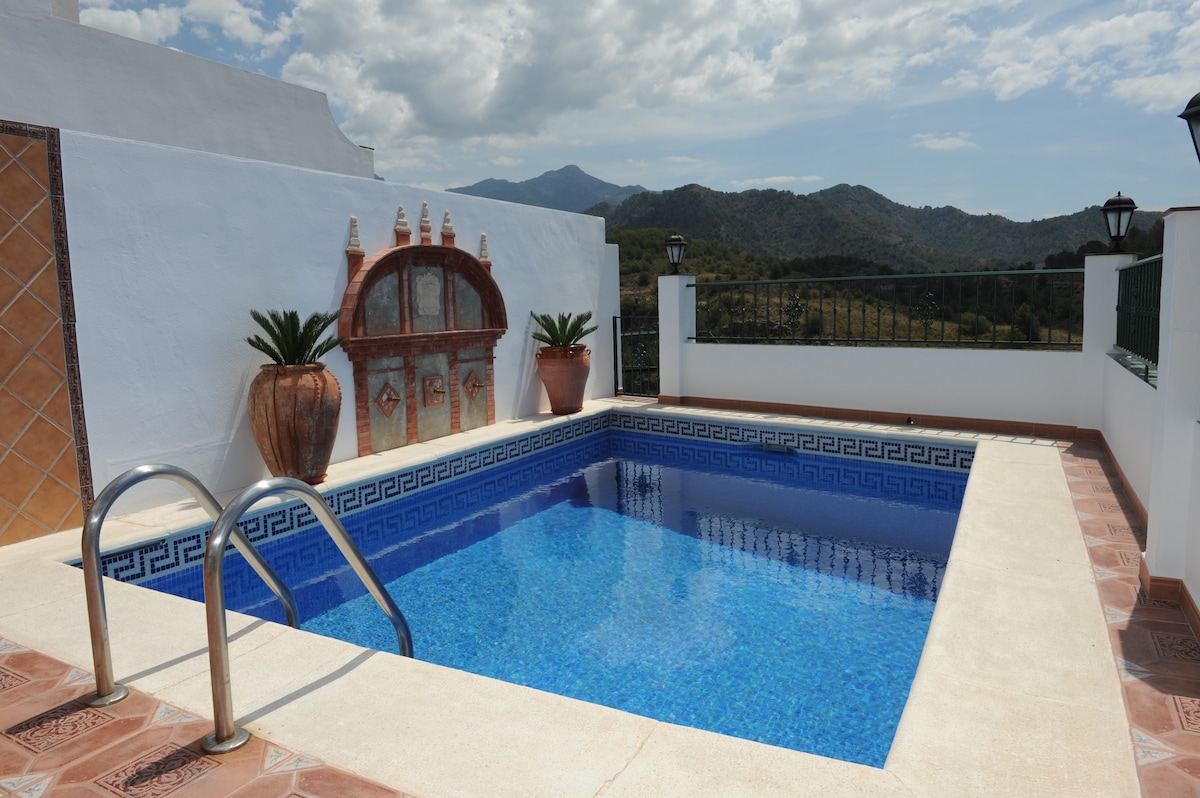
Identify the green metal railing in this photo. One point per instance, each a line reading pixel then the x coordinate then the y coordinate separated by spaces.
pixel 1139 292
pixel 1034 309
pixel 635 338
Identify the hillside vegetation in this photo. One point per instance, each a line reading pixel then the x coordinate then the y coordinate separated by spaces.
pixel 858 223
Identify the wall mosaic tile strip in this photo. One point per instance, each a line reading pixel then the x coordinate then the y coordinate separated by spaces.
pixel 902 452
pixel 187 548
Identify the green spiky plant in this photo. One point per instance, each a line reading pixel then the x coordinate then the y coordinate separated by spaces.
pixel 290 342
pixel 566 330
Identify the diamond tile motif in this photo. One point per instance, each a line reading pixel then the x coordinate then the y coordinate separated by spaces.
pixel 1130 558
pixel 137 764
pixel 472 385
pixel 1173 646
pixel 434 390
pixel 1188 711
pixel 387 400
pixel 159 772
pixel 9 680
pixel 1145 601
pixel 56 726
pixel 31 785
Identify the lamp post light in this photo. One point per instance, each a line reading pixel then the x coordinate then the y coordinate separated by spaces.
pixel 1191 115
pixel 1118 213
pixel 675 247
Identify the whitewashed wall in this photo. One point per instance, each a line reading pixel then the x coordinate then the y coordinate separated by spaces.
pixel 1128 425
pixel 170 249
pixel 59 73
pixel 1036 387
pixel 1173 537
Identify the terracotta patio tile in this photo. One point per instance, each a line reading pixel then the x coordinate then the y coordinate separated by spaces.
pixel 270 785
pixel 1163 779
pixel 1150 708
pixel 328 781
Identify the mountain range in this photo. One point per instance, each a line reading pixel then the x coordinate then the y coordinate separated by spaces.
pixel 566 189
pixel 844 220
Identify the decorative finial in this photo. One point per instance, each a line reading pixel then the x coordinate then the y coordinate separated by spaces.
pixel 355 245
pixel 446 226
pixel 483 253
pixel 426 227
pixel 401 221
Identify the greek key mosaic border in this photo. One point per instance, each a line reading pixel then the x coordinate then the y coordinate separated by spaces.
pixel 186 549
pixel 856 446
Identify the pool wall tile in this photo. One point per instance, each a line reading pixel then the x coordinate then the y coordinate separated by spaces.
pixel 180 550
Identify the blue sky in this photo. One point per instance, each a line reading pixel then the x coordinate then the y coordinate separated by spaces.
pixel 1026 109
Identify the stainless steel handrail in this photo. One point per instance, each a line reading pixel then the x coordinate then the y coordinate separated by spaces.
pixel 107 690
pixel 227 737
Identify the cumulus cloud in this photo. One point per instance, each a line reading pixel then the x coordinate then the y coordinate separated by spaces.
pixel 777 180
pixel 506 162
pixel 942 141
pixel 486 76
pixel 154 25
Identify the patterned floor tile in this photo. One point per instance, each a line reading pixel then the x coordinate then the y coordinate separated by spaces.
pixel 137 748
pixel 1158 656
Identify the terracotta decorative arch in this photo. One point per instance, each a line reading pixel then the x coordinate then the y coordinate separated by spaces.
pixel 420 322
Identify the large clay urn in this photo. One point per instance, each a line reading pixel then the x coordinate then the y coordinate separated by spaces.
pixel 294 415
pixel 564 371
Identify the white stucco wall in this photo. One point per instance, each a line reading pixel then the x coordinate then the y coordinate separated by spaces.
pixel 1036 387
pixel 1173 537
pixel 1128 425
pixel 59 73
pixel 170 248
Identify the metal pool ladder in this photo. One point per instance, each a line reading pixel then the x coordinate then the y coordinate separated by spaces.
pixel 228 737
pixel 107 690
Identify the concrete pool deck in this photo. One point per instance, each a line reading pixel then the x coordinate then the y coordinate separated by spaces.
pixel 1017 692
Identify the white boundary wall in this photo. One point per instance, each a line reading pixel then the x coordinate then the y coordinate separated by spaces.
pixel 1061 388
pixel 1128 425
pixel 1173 539
pixel 170 249
pixel 58 73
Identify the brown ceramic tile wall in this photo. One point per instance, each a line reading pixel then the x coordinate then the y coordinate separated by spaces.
pixel 41 431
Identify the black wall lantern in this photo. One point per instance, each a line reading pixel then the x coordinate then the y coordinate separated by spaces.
pixel 1191 115
pixel 1118 213
pixel 675 247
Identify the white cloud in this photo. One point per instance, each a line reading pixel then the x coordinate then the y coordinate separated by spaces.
pixel 235 20
pixel 942 141
pixel 153 25
pixel 777 180
pixel 426 83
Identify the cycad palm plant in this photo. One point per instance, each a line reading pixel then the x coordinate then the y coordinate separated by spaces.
pixel 565 330
pixel 292 343
pixel 294 402
pixel 563 362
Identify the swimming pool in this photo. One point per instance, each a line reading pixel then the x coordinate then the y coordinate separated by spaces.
pixel 834 558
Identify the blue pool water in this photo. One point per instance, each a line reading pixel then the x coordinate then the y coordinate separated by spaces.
pixel 772 596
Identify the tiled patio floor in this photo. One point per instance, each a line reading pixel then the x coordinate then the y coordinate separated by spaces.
pixel 55 746
pixel 1157 653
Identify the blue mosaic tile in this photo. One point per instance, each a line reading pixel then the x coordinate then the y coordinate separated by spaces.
pixel 186 548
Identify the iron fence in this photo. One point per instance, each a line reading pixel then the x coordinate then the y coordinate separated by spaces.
pixel 635 340
pixel 1139 291
pixel 1035 309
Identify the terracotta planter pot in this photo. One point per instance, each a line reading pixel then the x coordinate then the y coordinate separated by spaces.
pixel 294 415
pixel 564 371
